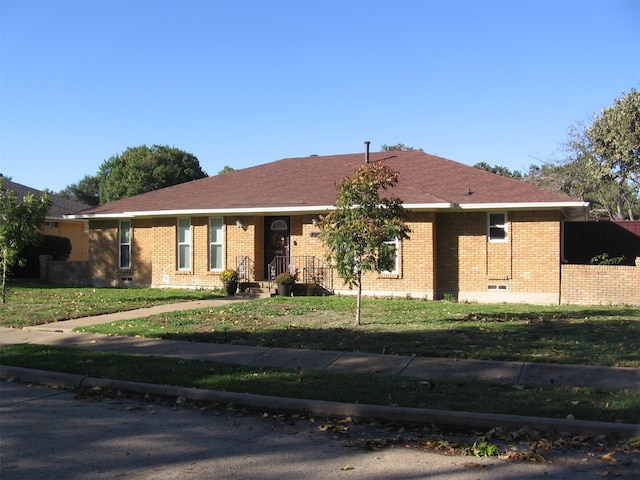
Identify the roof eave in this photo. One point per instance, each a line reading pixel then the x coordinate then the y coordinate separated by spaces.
pixel 565 206
pixel 202 212
pixel 524 205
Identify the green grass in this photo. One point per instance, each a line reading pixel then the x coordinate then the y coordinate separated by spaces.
pixel 548 401
pixel 608 336
pixel 561 334
pixel 32 302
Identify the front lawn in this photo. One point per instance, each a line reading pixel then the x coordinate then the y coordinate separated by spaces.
pixel 31 302
pixel 607 336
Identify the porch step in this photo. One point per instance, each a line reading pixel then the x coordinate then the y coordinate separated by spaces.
pixel 253 290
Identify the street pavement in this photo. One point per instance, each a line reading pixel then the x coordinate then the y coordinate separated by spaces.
pixel 53 434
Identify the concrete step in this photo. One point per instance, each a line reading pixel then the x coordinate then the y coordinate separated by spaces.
pixel 253 290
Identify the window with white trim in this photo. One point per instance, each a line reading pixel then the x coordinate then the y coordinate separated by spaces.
pixel 498 228
pixel 124 253
pixel 184 244
pixel 216 258
pixel 395 243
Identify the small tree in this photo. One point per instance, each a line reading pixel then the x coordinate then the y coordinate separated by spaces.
pixel 19 221
pixel 358 232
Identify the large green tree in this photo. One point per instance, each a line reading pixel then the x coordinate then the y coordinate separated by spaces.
pixel 602 162
pixel 143 169
pixel 19 220
pixel 614 149
pixel 583 175
pixel 398 147
pixel 86 191
pixel 359 233
pixel 498 170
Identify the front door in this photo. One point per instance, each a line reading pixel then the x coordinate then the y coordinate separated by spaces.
pixel 276 241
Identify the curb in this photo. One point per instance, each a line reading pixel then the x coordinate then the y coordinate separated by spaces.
pixel 406 415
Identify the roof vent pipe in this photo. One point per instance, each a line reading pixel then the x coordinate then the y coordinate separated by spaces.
pixel 366 151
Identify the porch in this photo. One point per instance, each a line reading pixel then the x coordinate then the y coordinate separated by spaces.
pixel 312 275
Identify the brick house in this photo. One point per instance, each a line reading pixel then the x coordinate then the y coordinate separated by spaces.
pixel 55 224
pixel 474 235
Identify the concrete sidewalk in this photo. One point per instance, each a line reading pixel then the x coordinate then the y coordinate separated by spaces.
pixel 607 378
pixel 60 334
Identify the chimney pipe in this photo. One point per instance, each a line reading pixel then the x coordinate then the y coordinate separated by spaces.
pixel 366 152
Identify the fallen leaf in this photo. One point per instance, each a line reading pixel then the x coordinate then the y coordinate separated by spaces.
pixel 474 465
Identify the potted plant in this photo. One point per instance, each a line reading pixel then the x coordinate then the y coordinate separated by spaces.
pixel 229 280
pixel 284 283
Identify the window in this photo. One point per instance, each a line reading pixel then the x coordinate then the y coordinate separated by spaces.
pixel 215 244
pixel 395 257
pixel 124 258
pixel 497 227
pixel 184 244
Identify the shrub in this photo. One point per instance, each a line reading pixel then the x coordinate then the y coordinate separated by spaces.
pixel 604 259
pixel 284 279
pixel 229 275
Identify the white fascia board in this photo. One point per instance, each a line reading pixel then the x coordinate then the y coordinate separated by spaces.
pixel 324 208
pixel 202 212
pixel 428 206
pixel 522 206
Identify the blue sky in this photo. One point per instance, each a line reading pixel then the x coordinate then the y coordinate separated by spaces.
pixel 241 83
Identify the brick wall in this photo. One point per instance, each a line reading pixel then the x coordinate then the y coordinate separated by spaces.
pixel 601 284
pixel 165 272
pixel 103 252
pixel 461 262
pixel 75 232
pixel 524 268
pixel 73 273
pixel 417 259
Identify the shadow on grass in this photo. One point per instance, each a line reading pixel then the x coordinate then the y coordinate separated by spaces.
pixel 465 395
pixel 540 337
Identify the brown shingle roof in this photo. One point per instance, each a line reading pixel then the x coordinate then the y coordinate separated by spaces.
pixel 301 184
pixel 59 207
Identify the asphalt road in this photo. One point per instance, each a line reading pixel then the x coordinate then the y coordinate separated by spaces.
pixel 54 434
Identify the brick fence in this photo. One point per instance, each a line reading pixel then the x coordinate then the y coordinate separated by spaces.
pixel 601 284
pixel 64 272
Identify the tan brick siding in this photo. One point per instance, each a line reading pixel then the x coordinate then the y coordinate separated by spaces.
pixel 461 252
pixel 460 262
pixel 77 235
pixel 536 242
pixel 103 252
pixel 601 284
pixel 526 267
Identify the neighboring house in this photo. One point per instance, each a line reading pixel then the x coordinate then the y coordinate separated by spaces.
pixel 76 230
pixel 474 235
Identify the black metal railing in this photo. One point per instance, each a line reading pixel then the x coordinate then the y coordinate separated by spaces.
pixel 306 269
pixel 244 267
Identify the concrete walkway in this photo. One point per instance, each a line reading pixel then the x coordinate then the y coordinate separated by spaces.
pixel 60 334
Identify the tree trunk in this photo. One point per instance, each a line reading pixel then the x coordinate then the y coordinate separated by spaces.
pixel 359 300
pixel 4 278
pixel 619 200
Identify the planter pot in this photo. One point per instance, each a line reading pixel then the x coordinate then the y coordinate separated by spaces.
pixel 285 290
pixel 230 288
